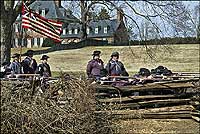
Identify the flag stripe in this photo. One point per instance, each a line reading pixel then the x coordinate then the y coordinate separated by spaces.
pixel 37 23
pixel 26 19
pixel 40 28
pixel 55 23
pixel 38 31
pixel 53 27
pixel 48 21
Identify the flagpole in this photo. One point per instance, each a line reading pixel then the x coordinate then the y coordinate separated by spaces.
pixel 20 58
pixel 22 36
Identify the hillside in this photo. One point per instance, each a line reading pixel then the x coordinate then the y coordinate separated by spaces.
pixel 178 58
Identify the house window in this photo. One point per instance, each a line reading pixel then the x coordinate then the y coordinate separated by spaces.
pixel 38 41
pixel 88 30
pixel 105 30
pixel 32 41
pixel 43 12
pixel 35 42
pixel 96 30
pixel 76 31
pixel 70 31
pixel 16 28
pixel 41 41
pixel 64 31
pixel 16 41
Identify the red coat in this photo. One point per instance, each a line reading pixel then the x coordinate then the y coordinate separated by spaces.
pixel 94 67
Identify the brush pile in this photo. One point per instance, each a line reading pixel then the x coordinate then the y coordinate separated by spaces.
pixel 67 106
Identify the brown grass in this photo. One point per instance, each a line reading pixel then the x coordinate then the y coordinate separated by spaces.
pixel 178 58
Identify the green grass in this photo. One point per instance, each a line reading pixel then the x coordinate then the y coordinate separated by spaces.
pixel 178 58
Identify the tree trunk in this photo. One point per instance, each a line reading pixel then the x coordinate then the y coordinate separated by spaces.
pixel 83 6
pixel 6 36
pixel 6 32
pixel 8 16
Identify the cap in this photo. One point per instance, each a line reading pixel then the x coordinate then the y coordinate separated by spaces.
pixel 114 54
pixel 44 57
pixel 5 63
pixel 96 53
pixel 15 55
pixel 29 52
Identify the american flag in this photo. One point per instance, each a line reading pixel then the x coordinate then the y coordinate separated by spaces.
pixel 39 24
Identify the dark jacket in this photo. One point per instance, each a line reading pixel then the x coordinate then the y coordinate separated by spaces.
pixel 5 70
pixel 16 67
pixel 44 70
pixel 94 67
pixel 29 65
pixel 116 68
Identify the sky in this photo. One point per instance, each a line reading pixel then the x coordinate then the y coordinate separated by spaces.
pixel 167 31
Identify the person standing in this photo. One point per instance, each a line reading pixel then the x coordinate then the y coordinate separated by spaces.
pixel 29 64
pixel 43 68
pixel 95 66
pixel 15 66
pixel 116 67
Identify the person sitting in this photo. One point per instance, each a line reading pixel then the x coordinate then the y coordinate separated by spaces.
pixel 15 66
pixel 95 66
pixel 116 67
pixel 29 64
pixel 43 68
pixel 143 77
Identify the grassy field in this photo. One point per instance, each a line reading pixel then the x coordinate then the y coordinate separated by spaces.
pixel 178 58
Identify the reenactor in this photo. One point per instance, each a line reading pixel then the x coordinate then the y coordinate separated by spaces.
pixel 29 64
pixel 116 67
pixel 5 69
pixel 95 66
pixel 15 65
pixel 43 68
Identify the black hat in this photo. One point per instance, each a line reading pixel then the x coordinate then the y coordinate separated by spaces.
pixel 29 52
pixel 44 57
pixel 5 63
pixel 15 55
pixel 115 54
pixel 95 53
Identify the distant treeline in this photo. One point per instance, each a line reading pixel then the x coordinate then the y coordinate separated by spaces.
pixel 91 42
pixel 167 40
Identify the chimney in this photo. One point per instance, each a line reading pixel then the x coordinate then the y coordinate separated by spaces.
pixel 58 3
pixel 120 15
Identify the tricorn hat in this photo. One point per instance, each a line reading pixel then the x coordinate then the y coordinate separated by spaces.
pixel 29 52
pixel 96 53
pixel 15 55
pixel 114 54
pixel 5 63
pixel 44 57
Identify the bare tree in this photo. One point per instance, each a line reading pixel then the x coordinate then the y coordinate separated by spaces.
pixel 9 13
pixel 155 10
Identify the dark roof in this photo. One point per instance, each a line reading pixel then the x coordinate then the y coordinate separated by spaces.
pixel 112 26
pixel 53 11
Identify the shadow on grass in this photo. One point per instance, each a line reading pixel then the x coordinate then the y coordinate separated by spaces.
pixel 76 74
pixel 81 44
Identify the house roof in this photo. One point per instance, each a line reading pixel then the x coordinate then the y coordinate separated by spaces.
pixel 53 11
pixel 111 25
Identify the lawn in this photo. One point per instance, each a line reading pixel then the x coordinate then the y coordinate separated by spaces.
pixel 178 58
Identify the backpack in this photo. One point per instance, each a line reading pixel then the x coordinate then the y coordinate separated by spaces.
pixel 161 70
pixel 144 72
